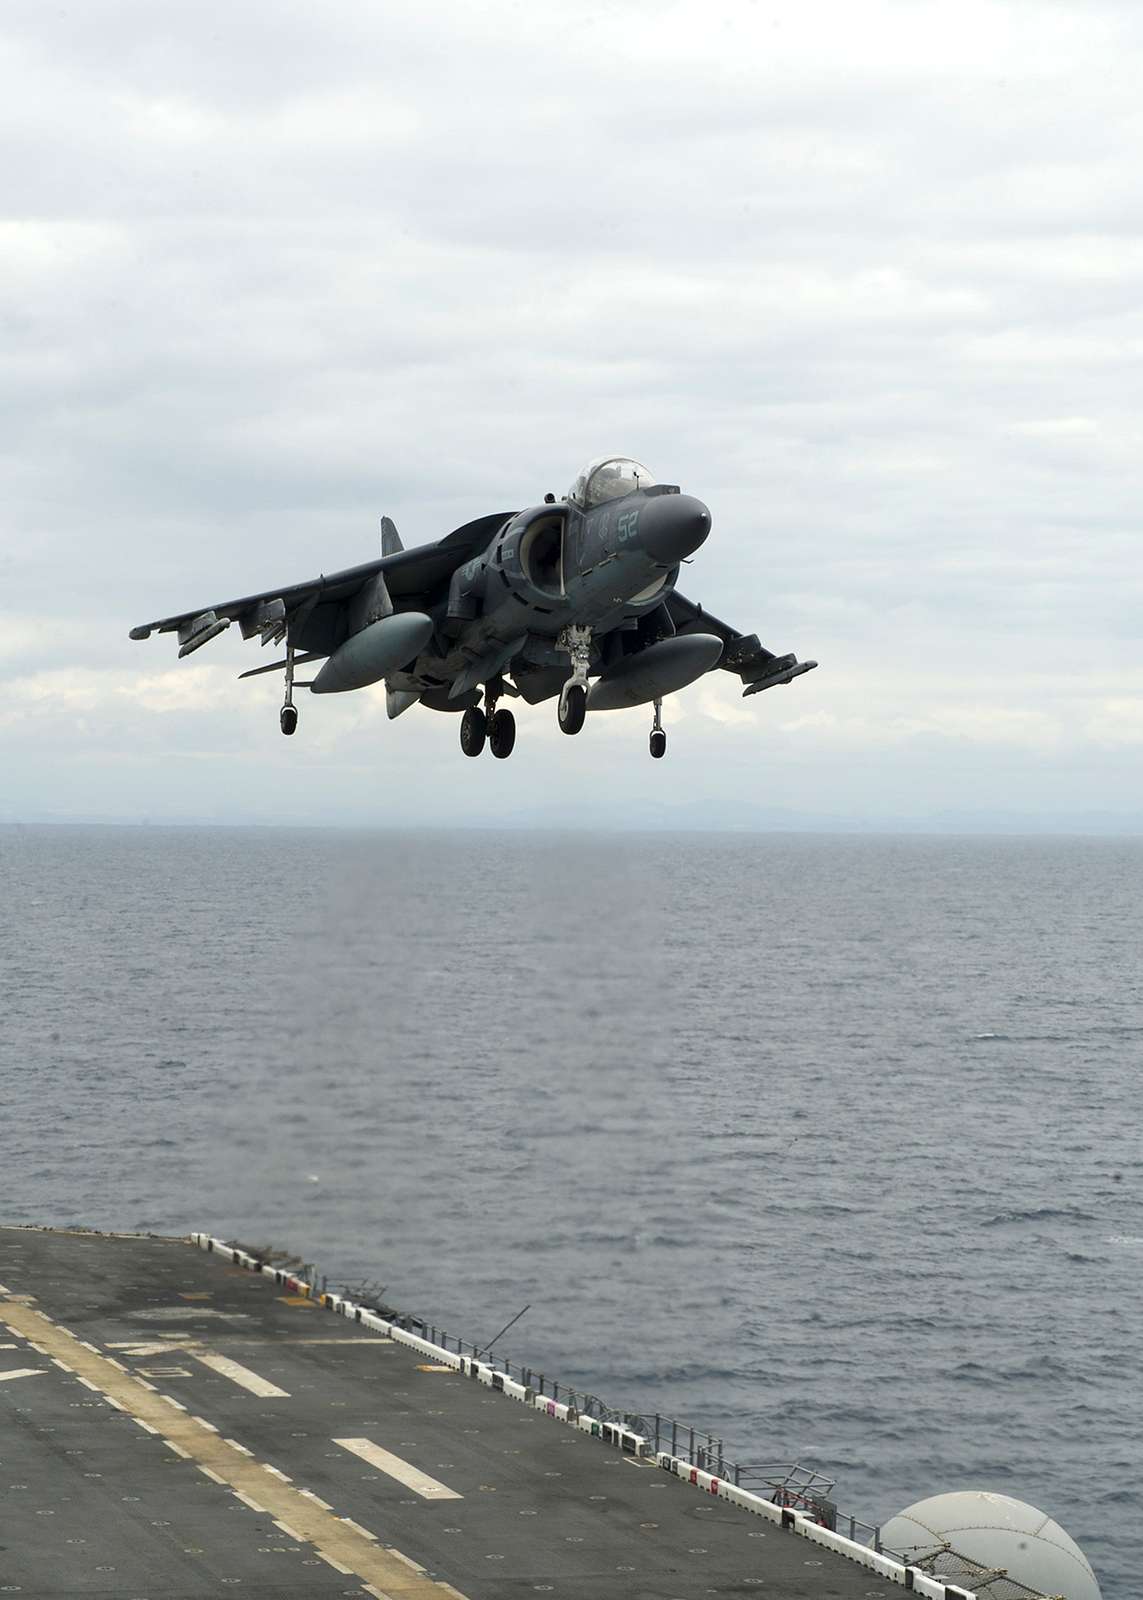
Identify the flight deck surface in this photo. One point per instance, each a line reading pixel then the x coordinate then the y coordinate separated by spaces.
pixel 172 1427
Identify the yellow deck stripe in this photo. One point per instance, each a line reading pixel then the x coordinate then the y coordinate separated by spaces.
pixel 335 1542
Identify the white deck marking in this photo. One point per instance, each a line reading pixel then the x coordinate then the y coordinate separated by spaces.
pixel 22 1372
pixel 357 1528
pixel 137 1347
pixel 336 1565
pixel 9 1346
pixel 4 1289
pixel 404 1472
pixel 237 1373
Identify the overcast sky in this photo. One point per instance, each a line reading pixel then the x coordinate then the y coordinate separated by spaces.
pixel 863 276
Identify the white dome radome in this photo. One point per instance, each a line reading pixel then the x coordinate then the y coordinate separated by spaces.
pixel 997 1531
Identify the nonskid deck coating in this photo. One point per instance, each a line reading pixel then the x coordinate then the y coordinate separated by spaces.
pixel 98 1504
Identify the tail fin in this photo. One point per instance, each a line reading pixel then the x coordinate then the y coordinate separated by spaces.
pixel 390 538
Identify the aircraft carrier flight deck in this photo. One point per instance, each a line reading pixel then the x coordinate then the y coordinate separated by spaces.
pixel 173 1425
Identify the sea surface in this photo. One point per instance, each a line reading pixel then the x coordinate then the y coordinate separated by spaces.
pixel 829 1144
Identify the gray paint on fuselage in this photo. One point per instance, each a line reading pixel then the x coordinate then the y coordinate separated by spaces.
pixel 605 566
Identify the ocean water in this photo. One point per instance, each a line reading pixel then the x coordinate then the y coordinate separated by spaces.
pixel 830 1145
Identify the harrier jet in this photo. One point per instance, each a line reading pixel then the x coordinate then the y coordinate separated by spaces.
pixel 573 600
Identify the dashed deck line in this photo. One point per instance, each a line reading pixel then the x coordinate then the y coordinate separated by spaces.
pixel 338 1544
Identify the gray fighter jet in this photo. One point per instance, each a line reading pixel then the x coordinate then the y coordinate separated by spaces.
pixel 573 598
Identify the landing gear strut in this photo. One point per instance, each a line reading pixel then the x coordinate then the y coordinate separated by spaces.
pixel 288 716
pixel 658 736
pixel 576 640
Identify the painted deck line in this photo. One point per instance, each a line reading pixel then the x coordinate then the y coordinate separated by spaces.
pixel 4 1289
pixel 23 1372
pixel 237 1373
pixel 357 1528
pixel 364 1558
pixel 403 1471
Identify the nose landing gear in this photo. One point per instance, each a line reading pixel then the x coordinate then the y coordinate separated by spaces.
pixel 658 736
pixel 576 640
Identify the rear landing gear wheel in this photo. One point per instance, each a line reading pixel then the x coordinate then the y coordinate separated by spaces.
pixel 502 734
pixel 573 708
pixel 288 717
pixel 473 731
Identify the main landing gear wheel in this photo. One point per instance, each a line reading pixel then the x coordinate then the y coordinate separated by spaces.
pixel 573 708
pixel 473 731
pixel 502 734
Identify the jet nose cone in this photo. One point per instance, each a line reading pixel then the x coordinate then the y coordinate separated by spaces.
pixel 672 526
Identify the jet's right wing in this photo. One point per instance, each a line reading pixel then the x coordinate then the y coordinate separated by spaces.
pixel 313 612
pixel 742 653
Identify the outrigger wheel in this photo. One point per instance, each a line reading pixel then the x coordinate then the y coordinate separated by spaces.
pixel 573 708
pixel 502 734
pixel 658 737
pixel 473 731
pixel 288 717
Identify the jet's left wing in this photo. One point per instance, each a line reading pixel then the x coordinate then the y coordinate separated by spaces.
pixel 742 653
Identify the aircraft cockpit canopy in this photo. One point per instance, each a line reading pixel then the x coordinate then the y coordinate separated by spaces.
pixel 608 478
